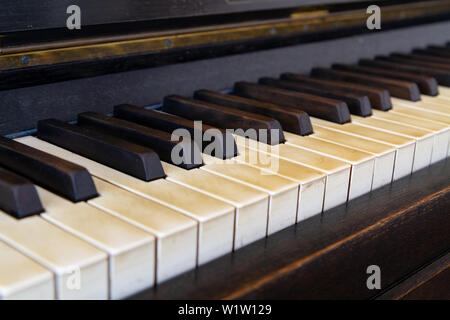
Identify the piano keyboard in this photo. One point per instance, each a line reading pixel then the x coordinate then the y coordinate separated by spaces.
pixel 100 210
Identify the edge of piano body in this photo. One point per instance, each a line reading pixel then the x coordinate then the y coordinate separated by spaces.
pixel 402 228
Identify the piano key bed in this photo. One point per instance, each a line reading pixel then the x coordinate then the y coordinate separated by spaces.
pixel 102 209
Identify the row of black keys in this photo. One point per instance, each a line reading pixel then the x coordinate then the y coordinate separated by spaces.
pixel 280 104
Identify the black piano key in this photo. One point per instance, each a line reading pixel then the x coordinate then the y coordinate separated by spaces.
pixel 159 141
pixel 428 66
pixel 439 48
pixel 379 98
pixel 420 57
pixel 391 63
pixel 226 118
pixel 401 89
pixel 226 147
pixel 434 65
pixel 324 108
pixel 291 120
pixel 436 51
pixel 427 85
pixel 358 105
pixel 18 196
pixel 59 176
pixel 135 160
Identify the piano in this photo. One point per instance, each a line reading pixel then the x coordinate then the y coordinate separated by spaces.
pixel 225 150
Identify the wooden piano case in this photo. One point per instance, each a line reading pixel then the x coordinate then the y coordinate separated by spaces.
pixel 403 228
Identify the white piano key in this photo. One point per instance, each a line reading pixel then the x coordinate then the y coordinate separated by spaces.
pixel 251 205
pixel 311 181
pixel 337 172
pixel 441 132
pixel 442 102
pixel 444 91
pixel 385 154
pixel 442 99
pixel 21 278
pixel 176 234
pixel 432 107
pixel 80 270
pixel 131 251
pixel 405 109
pixel 283 193
pixel 362 163
pixel 401 107
pixel 423 139
pixel 404 147
pixel 215 218
pixel 428 109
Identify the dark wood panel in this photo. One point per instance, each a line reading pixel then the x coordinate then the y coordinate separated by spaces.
pixel 22 15
pixel 431 282
pixel 436 288
pixel 400 228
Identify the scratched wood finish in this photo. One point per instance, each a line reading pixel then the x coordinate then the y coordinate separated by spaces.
pixel 430 283
pixel 401 228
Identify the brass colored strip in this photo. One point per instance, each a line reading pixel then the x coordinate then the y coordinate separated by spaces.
pixel 162 43
pixel 309 14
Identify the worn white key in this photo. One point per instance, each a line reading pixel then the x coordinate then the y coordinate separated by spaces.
pixel 422 105
pixel 423 139
pixel 311 181
pixel 431 111
pixel 283 193
pixel 362 163
pixel 442 99
pixel 337 172
pixel 80 270
pixel 423 114
pixel 251 205
pixel 215 218
pixel 401 107
pixel 131 251
pixel 443 102
pixel 176 234
pixel 385 154
pixel 21 278
pixel 441 132
pixel 444 91
pixel 404 147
